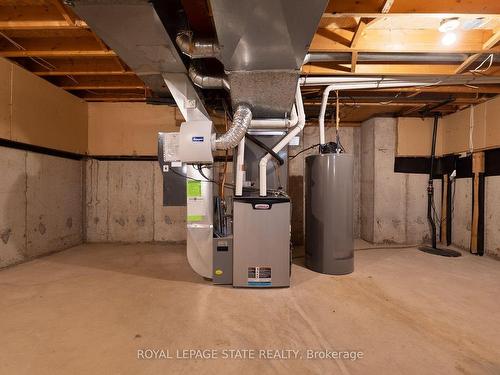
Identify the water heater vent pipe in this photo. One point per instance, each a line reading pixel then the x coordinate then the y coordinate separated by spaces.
pixel 281 144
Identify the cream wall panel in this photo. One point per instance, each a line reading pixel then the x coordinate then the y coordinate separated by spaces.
pixel 128 128
pixel 44 115
pixel 5 95
pixel 415 136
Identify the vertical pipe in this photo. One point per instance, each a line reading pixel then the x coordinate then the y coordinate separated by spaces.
pixel 239 167
pixel 430 186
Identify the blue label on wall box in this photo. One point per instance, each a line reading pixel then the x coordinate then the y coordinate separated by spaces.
pixel 198 139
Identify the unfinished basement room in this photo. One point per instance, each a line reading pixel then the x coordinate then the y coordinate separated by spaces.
pixel 249 187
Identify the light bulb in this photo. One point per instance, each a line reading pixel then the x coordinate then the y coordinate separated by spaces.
pixel 449 24
pixel 449 39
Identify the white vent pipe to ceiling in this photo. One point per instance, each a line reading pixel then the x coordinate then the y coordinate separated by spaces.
pixel 283 143
pixel 376 83
pixel 361 83
pixel 260 124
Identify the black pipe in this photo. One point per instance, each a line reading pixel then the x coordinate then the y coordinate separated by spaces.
pixel 266 148
pixel 430 186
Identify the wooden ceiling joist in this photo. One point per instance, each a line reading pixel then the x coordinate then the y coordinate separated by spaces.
pixel 56 53
pixel 102 87
pixel 42 25
pixel 68 16
pixel 490 43
pixel 419 6
pixel 381 69
pixel 363 22
pixel 404 41
pixel 354 61
pixel 83 73
pixel 48 39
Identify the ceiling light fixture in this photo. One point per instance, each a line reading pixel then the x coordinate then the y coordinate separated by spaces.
pixel 449 24
pixel 448 39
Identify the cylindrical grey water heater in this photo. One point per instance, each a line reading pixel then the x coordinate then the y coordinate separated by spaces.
pixel 329 232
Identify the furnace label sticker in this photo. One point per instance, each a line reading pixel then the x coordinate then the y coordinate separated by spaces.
pixel 193 188
pixel 259 276
pixel 195 202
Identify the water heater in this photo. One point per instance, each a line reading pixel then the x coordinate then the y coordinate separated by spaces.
pixel 329 225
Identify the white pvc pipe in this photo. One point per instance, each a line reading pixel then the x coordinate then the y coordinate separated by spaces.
pixel 376 83
pixel 284 141
pixel 276 123
pixel 240 158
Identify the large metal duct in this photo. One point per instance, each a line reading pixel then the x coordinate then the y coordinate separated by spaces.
pixel 262 46
pixel 134 31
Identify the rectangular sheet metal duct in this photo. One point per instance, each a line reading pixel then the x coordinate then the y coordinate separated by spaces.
pixel 134 31
pixel 263 44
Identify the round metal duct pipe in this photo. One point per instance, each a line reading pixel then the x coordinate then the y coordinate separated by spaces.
pixel 207 82
pixel 241 121
pixel 197 48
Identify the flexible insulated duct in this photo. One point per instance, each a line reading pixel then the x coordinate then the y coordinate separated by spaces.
pixel 241 121
pixel 197 48
pixel 207 82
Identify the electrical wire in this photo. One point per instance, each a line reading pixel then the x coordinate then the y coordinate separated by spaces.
pixel 291 157
pixel 228 186
pixel 478 68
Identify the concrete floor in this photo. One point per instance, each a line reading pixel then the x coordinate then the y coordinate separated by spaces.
pixel 89 309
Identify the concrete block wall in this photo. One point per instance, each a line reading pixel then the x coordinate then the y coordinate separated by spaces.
pixel 40 205
pixel 124 203
pixel 492 216
pixel 393 205
pixel 462 214
pixel 350 138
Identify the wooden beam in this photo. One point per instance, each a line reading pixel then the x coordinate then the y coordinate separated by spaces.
pixel 444 209
pixel 103 87
pixel 114 99
pixel 393 40
pixel 411 110
pixel 359 31
pixel 354 60
pixel 377 69
pixel 83 73
pixel 492 41
pixel 387 6
pixel 101 43
pixel 68 16
pixel 467 62
pixel 55 53
pixel 44 25
pixel 477 168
